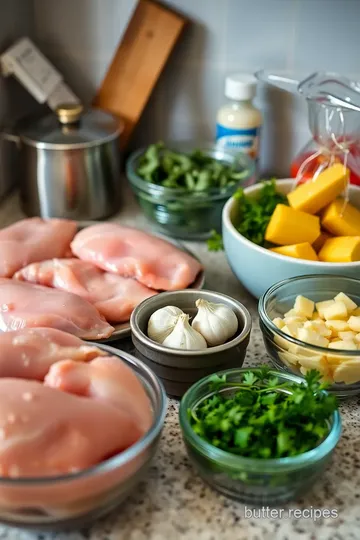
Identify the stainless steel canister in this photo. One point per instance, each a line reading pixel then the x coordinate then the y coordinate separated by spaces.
pixel 70 164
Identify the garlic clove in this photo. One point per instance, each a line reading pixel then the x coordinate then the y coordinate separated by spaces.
pixel 162 322
pixel 183 336
pixel 215 322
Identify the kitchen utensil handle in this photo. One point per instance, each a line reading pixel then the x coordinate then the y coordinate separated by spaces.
pixel 281 81
pixel 9 136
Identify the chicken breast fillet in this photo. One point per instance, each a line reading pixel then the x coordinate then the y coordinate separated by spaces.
pixel 29 353
pixel 114 296
pixel 128 252
pixel 34 239
pixel 23 305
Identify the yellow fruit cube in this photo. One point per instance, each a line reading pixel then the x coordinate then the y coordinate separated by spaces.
pixel 320 241
pixel 348 372
pixel 356 312
pixel 315 362
pixel 316 316
pixel 341 219
pixel 337 326
pixel 304 307
pixel 281 342
pixel 350 305
pixel 290 313
pixel 313 196
pixel 346 336
pixel 341 249
pixel 300 320
pixel 343 345
pixel 289 359
pixel 354 323
pixel 319 327
pixel 357 338
pixel 320 306
pixel 297 251
pixel 279 323
pixel 284 227
pixel 309 336
pixel 336 311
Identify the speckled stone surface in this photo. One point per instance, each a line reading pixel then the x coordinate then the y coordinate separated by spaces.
pixel 173 503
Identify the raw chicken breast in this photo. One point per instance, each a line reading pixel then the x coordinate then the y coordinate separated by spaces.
pixel 105 379
pixel 29 353
pixel 23 305
pixel 34 239
pixel 47 432
pixel 114 296
pixel 132 253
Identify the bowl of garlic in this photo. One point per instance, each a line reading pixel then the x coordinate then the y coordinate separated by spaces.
pixel 313 322
pixel 186 335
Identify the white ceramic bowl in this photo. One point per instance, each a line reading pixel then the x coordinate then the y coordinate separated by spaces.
pixel 258 268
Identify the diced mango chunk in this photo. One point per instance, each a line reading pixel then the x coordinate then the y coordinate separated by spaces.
pixel 341 219
pixel 337 310
pixel 297 251
pixel 320 241
pixel 313 196
pixel 350 305
pixel 341 249
pixel 304 307
pixel 288 226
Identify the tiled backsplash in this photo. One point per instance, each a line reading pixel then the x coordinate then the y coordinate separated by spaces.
pixel 224 36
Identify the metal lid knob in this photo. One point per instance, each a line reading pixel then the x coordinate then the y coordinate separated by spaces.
pixel 69 113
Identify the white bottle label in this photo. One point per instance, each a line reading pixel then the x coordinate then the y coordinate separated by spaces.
pixel 246 140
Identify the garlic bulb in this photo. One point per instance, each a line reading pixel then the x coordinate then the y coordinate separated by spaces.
pixel 162 322
pixel 216 322
pixel 184 336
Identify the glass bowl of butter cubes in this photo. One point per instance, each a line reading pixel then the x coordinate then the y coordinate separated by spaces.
pixel 313 322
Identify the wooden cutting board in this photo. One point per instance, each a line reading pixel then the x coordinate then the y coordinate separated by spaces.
pixel 141 56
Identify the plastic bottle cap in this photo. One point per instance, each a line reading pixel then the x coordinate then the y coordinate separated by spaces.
pixel 241 86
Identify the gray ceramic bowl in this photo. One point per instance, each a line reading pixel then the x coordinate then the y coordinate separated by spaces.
pixel 179 369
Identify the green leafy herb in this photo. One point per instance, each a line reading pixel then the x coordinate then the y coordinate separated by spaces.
pixel 253 215
pixel 262 417
pixel 215 242
pixel 194 172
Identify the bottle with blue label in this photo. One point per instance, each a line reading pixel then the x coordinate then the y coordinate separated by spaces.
pixel 239 122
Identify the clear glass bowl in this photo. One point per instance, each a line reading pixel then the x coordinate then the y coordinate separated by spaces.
pixel 182 214
pixel 279 298
pixel 72 501
pixel 253 481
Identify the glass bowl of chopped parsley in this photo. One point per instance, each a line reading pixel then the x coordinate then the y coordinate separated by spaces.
pixel 258 435
pixel 182 187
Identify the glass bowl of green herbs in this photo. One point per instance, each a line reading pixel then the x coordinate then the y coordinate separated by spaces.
pixel 182 187
pixel 258 435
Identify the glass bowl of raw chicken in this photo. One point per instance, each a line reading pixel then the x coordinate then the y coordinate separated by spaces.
pixel 313 322
pixel 79 425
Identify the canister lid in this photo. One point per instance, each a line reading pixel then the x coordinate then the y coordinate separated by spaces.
pixel 70 128
pixel 240 86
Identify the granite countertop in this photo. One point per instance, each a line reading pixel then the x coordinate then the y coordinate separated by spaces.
pixel 173 503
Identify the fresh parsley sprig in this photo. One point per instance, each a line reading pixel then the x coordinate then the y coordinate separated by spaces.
pixel 263 417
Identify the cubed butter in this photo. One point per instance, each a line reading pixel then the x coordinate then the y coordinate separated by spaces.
pixel 320 306
pixel 341 219
pixel 288 226
pixel 304 307
pixel 335 311
pixel 320 241
pixel 315 195
pixel 297 251
pixel 354 323
pixel 350 305
pixel 341 249
pixel 347 372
